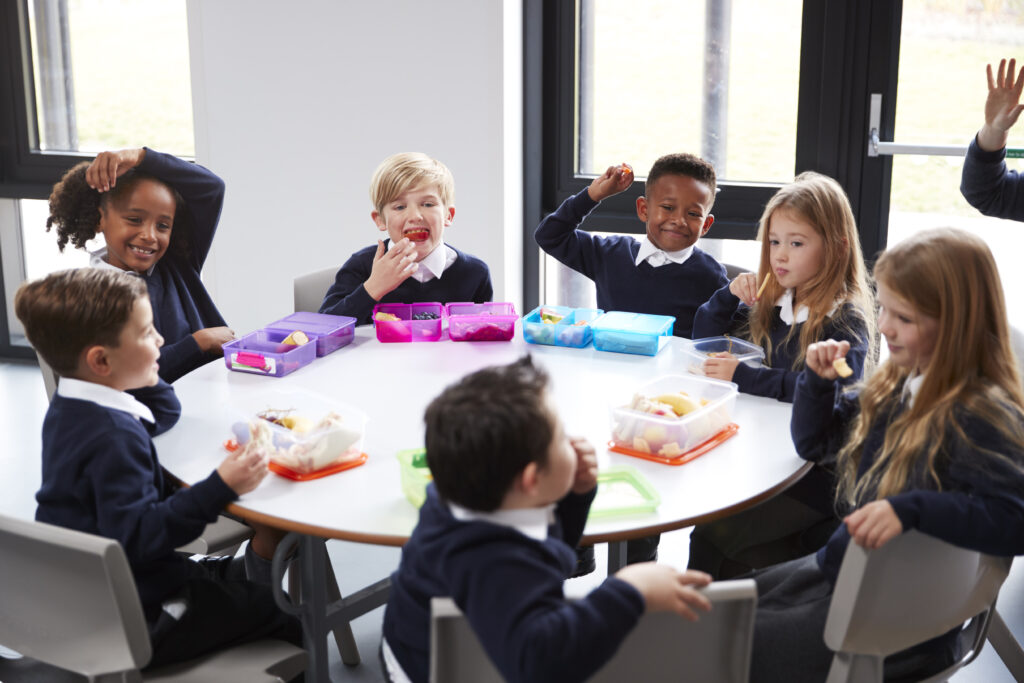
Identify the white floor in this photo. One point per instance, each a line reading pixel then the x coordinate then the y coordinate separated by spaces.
pixel 23 404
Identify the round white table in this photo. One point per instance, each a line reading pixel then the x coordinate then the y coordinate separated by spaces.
pixel 393 383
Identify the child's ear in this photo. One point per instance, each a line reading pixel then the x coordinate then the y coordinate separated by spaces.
pixel 97 361
pixel 641 208
pixel 379 220
pixel 708 222
pixel 528 479
pixel 451 216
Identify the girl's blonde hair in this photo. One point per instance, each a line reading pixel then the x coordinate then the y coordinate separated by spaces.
pixel 949 275
pixel 821 202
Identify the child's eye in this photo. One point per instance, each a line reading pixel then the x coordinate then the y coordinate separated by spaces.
pixel 164 226
pixel 667 207
pixel 428 204
pixel 398 207
pixel 904 319
pixel 694 214
pixel 773 243
pixel 134 220
pixel 797 244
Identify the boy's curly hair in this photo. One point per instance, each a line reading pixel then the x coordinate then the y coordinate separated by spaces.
pixel 75 208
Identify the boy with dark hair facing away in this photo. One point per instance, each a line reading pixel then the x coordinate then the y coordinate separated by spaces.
pixel 413 202
pixel 509 500
pixel 664 273
pixel 101 474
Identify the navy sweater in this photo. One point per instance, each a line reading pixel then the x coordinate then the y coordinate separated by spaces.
pixel 981 505
pixel 509 587
pixel 181 304
pixel 467 279
pixel 675 289
pixel 989 186
pixel 101 476
pixel 725 313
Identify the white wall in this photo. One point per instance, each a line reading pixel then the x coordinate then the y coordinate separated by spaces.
pixel 297 102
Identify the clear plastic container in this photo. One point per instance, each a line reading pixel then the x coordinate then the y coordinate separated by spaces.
pixel 669 437
pixel 494 321
pixel 572 330
pixel 640 333
pixel 262 352
pixel 407 328
pixel 415 475
pixel 332 331
pixel 700 350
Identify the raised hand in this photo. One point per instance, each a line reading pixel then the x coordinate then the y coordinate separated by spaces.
pixel 390 268
pixel 586 465
pixel 821 355
pixel 107 167
pixel 744 287
pixel 613 181
pixel 1002 106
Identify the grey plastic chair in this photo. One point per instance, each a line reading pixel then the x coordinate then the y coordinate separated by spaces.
pixel 732 270
pixel 309 289
pixel 910 590
pixel 716 648
pixel 69 601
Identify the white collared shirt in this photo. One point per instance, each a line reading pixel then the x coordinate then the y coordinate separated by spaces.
pixel 911 388
pixel 434 263
pixel 97 259
pixel 656 257
pixel 530 522
pixel 785 304
pixel 104 396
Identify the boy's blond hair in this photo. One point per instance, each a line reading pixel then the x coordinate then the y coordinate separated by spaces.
pixel 400 172
pixel 70 310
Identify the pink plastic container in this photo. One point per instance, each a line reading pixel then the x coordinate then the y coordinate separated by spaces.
pixel 407 328
pixel 495 321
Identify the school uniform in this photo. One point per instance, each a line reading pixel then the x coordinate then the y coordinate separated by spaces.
pixel 505 570
pixel 980 507
pixel 101 476
pixel 989 186
pixel 444 275
pixel 630 274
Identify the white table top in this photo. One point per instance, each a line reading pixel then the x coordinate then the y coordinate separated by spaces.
pixel 393 383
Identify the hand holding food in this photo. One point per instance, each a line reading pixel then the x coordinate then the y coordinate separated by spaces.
pixel 614 180
pixel 744 288
pixel 821 356
pixel 390 267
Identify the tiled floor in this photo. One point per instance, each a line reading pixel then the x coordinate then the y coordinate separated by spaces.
pixel 23 404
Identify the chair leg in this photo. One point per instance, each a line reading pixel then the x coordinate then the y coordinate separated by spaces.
pixel 847 668
pixel 1006 646
pixel 343 633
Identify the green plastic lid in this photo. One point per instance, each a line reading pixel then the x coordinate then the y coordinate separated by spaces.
pixel 622 490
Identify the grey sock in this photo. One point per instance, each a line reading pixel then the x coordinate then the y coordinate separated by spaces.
pixel 257 569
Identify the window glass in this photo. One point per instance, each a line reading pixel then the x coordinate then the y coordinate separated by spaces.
pixel 41 254
pixel 112 74
pixel 718 78
pixel 956 41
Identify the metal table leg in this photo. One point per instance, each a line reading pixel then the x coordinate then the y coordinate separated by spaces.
pixel 616 556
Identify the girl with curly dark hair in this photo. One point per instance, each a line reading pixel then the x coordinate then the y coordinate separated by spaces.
pixel 158 215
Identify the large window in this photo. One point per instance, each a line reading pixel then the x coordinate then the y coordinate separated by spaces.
pixel 78 77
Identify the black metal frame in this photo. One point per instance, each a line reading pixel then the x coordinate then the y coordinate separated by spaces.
pixel 848 50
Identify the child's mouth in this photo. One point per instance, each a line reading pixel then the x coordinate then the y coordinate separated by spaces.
pixel 417 235
pixel 140 251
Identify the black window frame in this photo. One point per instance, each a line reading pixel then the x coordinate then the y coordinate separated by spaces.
pixel 848 51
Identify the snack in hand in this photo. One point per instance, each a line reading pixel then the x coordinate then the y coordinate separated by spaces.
pixel 841 368
pixel 626 169
pixel 764 283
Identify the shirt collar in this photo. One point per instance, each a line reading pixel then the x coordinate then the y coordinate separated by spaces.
pixel 97 260
pixel 531 522
pixel 656 257
pixel 104 396
pixel 785 304
pixel 911 388
pixel 434 263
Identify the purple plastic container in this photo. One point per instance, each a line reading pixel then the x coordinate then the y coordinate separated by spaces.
pixel 332 331
pixel 262 352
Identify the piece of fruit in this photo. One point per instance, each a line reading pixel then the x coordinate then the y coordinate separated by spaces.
pixel 296 423
pixel 842 369
pixel 681 403
pixel 626 168
pixel 549 316
pixel 386 317
pixel 296 338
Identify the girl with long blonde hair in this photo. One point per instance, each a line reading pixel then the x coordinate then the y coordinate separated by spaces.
pixel 933 441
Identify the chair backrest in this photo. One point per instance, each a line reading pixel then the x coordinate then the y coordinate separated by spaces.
pixel 69 599
pixel 732 270
pixel 716 648
pixel 49 377
pixel 910 590
pixel 309 289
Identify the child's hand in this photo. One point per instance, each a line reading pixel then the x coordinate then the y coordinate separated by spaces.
pixel 107 167
pixel 612 181
pixel 1003 106
pixel 586 465
pixel 211 339
pixel 244 469
pixel 820 356
pixel 720 367
pixel 667 590
pixel 874 524
pixel 390 268
pixel 744 287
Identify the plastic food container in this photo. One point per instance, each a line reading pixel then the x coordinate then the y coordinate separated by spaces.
pixel 407 328
pixel 670 438
pixel 572 330
pixel 624 332
pixel 415 475
pixel 701 349
pixel 263 353
pixel 332 331
pixel 621 491
pixel 495 321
